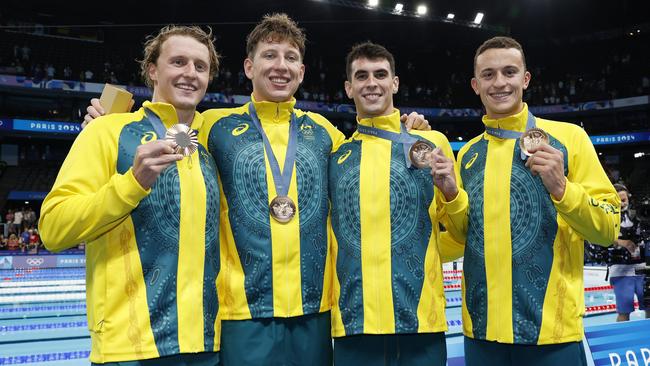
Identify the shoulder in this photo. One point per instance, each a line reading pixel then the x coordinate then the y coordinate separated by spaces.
pixel 335 135
pixel 436 137
pixel 212 116
pixel 315 117
pixel 469 145
pixel 561 130
pixel 111 124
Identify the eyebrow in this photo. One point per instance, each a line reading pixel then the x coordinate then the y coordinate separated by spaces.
pixel 368 71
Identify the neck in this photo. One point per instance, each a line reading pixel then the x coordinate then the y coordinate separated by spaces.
pixel 496 115
pixel 185 115
pixel 260 98
pixel 364 115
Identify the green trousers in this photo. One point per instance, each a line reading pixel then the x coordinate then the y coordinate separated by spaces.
pixel 487 353
pixel 425 349
pixel 298 341
pixel 184 359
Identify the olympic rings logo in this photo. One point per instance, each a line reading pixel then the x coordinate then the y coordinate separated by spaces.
pixel 35 261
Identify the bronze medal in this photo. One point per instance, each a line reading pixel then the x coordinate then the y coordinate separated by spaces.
pixel 419 154
pixel 184 139
pixel 282 209
pixel 532 138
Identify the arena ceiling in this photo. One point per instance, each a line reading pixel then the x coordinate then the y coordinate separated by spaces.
pixel 532 19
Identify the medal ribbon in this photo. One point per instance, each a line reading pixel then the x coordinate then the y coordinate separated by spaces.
pixel 157 124
pixel 509 134
pixel 282 179
pixel 403 138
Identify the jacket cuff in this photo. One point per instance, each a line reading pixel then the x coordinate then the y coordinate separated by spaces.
pixel 129 189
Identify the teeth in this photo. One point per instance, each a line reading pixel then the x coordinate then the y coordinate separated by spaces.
pixel 185 87
pixel 279 80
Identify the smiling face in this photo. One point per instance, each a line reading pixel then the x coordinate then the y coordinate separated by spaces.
pixel 276 70
pixel 181 73
pixel 500 79
pixel 371 86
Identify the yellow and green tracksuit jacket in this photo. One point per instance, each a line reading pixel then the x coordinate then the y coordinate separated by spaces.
pixel 271 269
pixel 152 256
pixel 388 267
pixel 523 266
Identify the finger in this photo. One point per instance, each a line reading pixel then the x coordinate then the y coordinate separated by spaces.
pixel 409 123
pixel 402 118
pixel 86 121
pixel 544 147
pixel 438 155
pixel 164 159
pixel 445 167
pixel 154 148
pixel 162 147
pixel 92 112
pixel 430 158
pixel 535 170
pixel 98 107
pixel 131 103
pixel 544 155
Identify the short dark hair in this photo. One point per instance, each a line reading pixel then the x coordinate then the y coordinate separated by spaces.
pixel 371 51
pixel 620 188
pixel 500 42
pixel 276 27
pixel 153 47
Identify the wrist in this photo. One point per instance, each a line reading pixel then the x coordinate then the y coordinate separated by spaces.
pixel 451 194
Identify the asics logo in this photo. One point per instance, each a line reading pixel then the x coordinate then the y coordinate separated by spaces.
pixel 342 158
pixel 471 161
pixel 148 136
pixel 240 129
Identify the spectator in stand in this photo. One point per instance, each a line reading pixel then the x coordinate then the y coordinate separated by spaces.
pixel 29 217
pixel 3 242
pixel 25 52
pixel 18 221
pixel 13 243
pixel 67 73
pixel 34 241
pixel 24 236
pixel 88 75
pixel 50 71
pixel 9 218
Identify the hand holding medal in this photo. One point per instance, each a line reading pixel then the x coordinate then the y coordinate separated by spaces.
pixel 442 171
pixel 547 162
pixel 151 159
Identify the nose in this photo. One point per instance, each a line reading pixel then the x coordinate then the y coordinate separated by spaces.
pixel 371 82
pixel 280 63
pixel 190 70
pixel 500 80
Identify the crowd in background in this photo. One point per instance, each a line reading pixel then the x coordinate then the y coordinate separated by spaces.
pixel 435 78
pixel 20 232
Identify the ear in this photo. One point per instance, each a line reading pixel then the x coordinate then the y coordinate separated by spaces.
pixel 301 74
pixel 474 84
pixel 152 71
pixel 248 68
pixel 348 89
pixel 395 84
pixel 527 77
